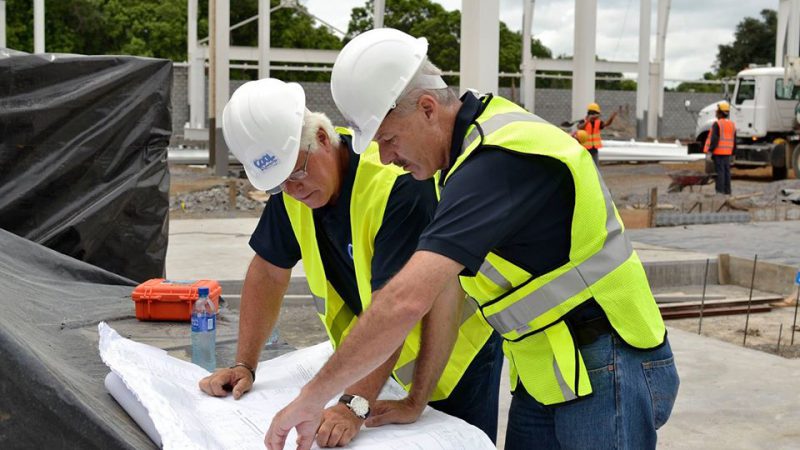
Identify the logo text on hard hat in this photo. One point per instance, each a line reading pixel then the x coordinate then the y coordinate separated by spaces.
pixel 265 162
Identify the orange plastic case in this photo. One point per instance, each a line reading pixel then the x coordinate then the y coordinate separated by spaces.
pixel 161 299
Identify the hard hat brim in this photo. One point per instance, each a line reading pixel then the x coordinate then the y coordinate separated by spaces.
pixel 364 136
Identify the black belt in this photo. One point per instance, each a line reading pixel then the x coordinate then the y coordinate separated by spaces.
pixel 587 332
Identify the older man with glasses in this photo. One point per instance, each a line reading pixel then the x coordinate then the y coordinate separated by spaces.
pixel 354 223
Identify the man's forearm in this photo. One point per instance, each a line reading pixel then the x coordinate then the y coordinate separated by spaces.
pixel 262 295
pixel 384 325
pixel 439 333
pixel 370 386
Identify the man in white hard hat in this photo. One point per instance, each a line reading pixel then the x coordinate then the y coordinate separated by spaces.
pixel 527 223
pixel 354 223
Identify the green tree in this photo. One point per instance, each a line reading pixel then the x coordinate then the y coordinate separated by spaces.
pixel 701 87
pixel 156 28
pixel 443 30
pixel 289 28
pixel 153 28
pixel 754 43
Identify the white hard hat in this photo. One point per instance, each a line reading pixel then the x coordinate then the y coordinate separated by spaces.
pixel 369 75
pixel 262 123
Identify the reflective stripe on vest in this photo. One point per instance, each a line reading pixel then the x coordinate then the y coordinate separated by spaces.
pixel 594 139
pixel 339 324
pixel 371 190
pixel 727 138
pixel 529 311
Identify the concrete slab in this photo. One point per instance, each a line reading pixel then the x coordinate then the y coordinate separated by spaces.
pixel 217 249
pixel 771 241
pixel 732 397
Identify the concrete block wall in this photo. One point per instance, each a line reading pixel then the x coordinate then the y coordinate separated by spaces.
pixel 551 104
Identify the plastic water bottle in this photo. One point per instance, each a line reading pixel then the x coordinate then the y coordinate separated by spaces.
pixel 204 331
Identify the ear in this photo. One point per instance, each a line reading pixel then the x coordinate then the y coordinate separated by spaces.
pixel 322 138
pixel 428 104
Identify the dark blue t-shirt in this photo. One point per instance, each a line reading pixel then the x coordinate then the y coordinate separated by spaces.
pixel 409 209
pixel 515 205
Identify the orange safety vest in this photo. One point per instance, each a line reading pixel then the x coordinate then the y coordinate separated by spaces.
pixel 592 128
pixel 727 137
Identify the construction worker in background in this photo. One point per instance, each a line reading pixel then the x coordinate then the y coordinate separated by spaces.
pixel 592 124
pixel 527 223
pixel 354 223
pixel 720 143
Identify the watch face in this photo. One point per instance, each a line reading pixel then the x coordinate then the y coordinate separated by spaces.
pixel 360 406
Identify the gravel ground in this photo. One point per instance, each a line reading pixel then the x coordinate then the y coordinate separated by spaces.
pixel 630 187
pixel 196 193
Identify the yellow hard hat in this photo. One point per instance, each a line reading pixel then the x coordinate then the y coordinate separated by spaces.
pixel 594 107
pixel 724 107
pixel 582 136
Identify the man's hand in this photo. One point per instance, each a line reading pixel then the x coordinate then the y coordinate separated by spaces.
pixel 394 411
pixel 221 382
pixel 339 426
pixel 303 414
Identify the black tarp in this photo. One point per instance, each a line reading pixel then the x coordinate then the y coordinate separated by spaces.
pixel 51 376
pixel 83 148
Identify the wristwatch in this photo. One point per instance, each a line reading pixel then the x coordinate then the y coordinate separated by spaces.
pixel 359 405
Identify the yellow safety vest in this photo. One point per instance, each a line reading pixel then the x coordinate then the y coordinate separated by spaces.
pixel 529 311
pixel 371 189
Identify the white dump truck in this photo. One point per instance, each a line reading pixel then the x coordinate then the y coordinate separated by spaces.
pixel 764 107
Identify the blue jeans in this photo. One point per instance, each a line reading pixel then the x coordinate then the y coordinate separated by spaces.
pixel 632 396
pixel 722 165
pixel 475 397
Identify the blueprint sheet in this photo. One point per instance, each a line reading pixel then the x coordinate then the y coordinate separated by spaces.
pixel 184 417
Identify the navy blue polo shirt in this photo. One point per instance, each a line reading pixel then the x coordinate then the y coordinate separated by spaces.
pixel 409 209
pixel 515 205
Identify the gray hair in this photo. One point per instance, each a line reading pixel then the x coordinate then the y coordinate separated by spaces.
pixel 420 85
pixel 313 121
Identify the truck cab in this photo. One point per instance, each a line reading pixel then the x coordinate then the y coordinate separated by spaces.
pixel 763 103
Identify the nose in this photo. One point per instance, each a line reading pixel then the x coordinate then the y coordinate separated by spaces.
pixel 386 155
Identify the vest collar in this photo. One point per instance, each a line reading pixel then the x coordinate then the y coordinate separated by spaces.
pixel 348 178
pixel 471 109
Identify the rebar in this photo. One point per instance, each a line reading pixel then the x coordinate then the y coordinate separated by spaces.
pixel 778 348
pixel 796 302
pixel 703 299
pixel 750 301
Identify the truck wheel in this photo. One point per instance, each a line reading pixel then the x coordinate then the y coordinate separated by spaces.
pixel 778 161
pixel 796 161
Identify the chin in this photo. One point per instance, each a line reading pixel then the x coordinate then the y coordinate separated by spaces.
pixel 421 174
pixel 314 201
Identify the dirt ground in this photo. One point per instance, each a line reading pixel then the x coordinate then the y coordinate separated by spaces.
pixel 195 193
pixel 763 330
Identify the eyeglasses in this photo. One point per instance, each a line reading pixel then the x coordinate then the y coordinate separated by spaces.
pixel 297 175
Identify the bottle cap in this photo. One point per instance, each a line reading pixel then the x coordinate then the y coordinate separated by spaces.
pixel 202 292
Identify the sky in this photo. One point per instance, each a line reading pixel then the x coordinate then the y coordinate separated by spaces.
pixel 695 28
